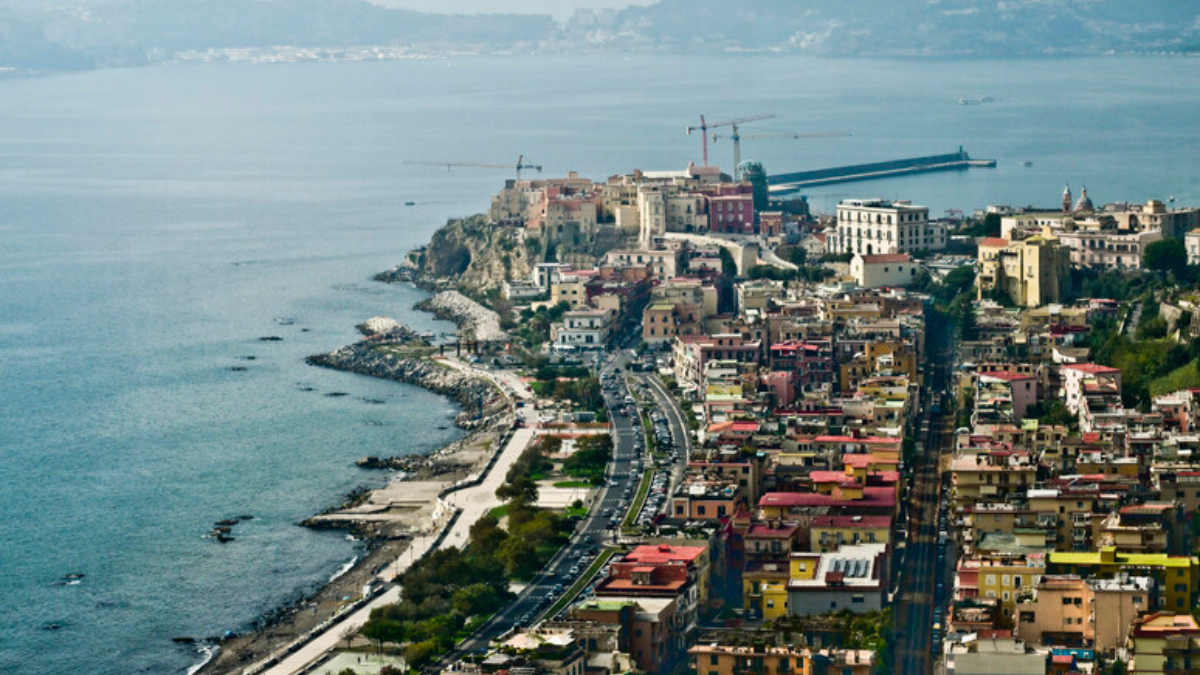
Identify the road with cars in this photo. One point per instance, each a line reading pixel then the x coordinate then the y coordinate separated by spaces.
pixel 926 578
pixel 596 530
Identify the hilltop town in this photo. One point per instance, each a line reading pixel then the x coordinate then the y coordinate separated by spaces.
pixel 747 438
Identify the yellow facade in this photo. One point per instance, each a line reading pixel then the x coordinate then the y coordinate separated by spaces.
pixel 804 565
pixel 829 539
pixel 1002 579
pixel 1176 577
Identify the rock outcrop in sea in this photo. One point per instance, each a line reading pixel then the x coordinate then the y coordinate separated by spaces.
pixel 478 397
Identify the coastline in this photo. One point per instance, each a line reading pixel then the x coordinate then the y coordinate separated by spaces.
pixel 388 518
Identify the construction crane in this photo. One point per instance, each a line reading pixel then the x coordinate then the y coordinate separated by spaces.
pixel 705 126
pixel 520 165
pixel 737 142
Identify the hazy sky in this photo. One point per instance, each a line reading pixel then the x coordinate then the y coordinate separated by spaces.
pixel 559 8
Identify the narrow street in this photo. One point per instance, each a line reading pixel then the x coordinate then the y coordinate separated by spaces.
pixel 924 584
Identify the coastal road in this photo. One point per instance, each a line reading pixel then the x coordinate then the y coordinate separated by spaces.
pixel 923 584
pixel 592 533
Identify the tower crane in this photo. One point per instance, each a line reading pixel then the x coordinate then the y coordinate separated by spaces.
pixel 737 142
pixel 519 166
pixel 705 126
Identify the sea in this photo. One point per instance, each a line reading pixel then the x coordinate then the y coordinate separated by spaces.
pixel 157 223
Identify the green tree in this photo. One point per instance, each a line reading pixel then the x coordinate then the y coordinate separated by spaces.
pixel 420 654
pixel 476 599
pixel 486 534
pixel 519 557
pixel 964 319
pixel 728 265
pixel 1166 255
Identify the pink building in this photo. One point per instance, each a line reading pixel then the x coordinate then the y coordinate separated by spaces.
pixel 1083 379
pixel 782 384
pixel 1022 389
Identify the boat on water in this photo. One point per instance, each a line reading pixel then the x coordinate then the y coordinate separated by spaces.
pixel 410 203
pixel 976 101
pixel 1028 164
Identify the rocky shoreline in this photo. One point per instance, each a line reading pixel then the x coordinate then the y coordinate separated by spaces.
pixel 473 319
pixel 390 351
pixel 368 357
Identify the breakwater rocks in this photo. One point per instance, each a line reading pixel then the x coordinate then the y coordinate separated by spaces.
pixel 368 358
pixel 387 328
pixel 472 318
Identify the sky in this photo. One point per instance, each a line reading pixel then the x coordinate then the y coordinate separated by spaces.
pixel 560 9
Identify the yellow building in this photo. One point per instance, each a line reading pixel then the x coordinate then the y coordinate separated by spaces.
pixel 1001 577
pixel 571 290
pixel 896 357
pixel 1175 577
pixel 829 533
pixel 764 589
pixel 1031 272
pixel 1165 643
pixel 760 659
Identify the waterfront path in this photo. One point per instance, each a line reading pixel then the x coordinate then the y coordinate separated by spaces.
pixel 505 379
pixel 472 503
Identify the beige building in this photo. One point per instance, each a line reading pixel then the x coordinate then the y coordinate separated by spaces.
pixel 1031 272
pixel 1069 610
pixel 1192 241
pixel 875 226
pixel 888 269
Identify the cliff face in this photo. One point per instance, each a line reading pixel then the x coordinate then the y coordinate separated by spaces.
pixel 477 255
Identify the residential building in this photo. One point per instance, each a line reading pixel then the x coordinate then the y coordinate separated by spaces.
pixel 1031 272
pixel 884 269
pixel 878 226
pixel 583 329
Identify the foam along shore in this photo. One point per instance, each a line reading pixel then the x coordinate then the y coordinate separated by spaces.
pixel 404 513
pixel 473 319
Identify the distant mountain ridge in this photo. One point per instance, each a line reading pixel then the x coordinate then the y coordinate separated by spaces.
pixel 900 27
pixel 93 33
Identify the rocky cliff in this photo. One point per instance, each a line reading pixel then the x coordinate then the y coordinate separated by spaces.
pixel 477 255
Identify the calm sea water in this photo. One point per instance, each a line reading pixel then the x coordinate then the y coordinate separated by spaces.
pixel 155 223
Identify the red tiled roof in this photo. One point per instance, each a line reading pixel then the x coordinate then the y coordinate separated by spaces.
pixel 1006 375
pixel 761 531
pixel 663 553
pixel 886 258
pixel 994 241
pixel 1092 368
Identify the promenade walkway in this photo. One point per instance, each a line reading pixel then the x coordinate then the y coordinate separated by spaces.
pixel 472 502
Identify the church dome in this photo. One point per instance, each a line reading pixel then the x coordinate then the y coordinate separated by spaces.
pixel 1085 202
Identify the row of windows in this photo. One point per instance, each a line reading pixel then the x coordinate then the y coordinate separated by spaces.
pixel 879 218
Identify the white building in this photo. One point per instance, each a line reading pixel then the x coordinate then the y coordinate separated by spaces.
pixel 1192 239
pixel 891 269
pixel 583 329
pixel 875 226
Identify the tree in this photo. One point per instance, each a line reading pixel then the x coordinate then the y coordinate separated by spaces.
pixel 476 599
pixel 1166 255
pixel 728 265
pixel 519 557
pixel 419 654
pixel 757 177
pixel 964 319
